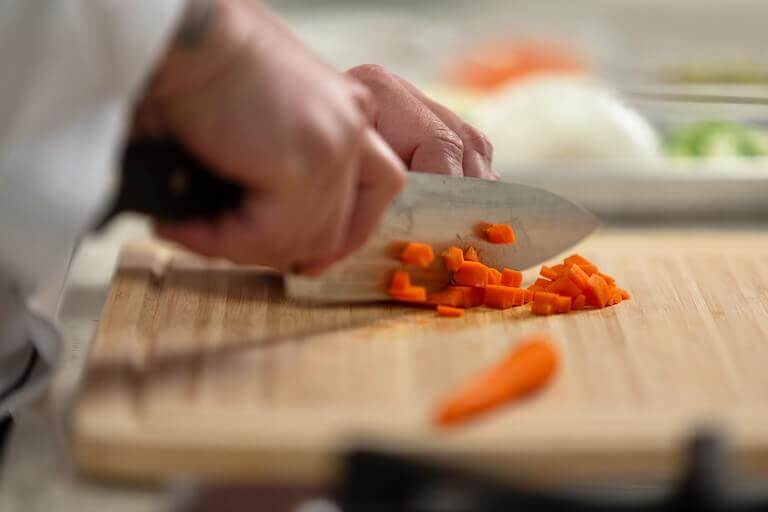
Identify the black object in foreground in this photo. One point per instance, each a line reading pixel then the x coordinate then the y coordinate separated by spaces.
pixel 377 482
pixel 160 178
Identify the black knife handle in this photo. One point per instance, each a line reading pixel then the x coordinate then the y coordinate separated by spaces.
pixel 160 178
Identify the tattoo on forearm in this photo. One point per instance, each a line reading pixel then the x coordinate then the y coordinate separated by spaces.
pixel 198 19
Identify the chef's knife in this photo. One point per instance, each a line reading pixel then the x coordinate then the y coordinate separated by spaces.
pixel 161 179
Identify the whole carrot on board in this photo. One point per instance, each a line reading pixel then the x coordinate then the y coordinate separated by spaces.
pixel 530 365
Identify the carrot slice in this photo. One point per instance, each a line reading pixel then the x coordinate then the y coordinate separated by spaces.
pixel 527 296
pixel 416 253
pixel 471 254
pixel 549 273
pixel 449 311
pixel 542 308
pixel 401 280
pixel 624 294
pixel 542 282
pixel 472 273
pixel 563 304
pixel 494 276
pixel 564 286
pixel 578 276
pixel 453 258
pixel 410 294
pixel 535 288
pixel 500 234
pixel 598 293
pixel 577 259
pixel 579 303
pixel 447 297
pixel 510 277
pixel 503 297
pixel 529 366
pixel 589 269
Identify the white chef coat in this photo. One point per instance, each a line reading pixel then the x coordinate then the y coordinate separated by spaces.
pixel 69 70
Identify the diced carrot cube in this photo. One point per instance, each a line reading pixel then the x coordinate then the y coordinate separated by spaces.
pixel 510 277
pixel 589 269
pixel 453 258
pixel 579 303
pixel 471 254
pixel 500 234
pixel 564 286
pixel 400 280
pixel 527 296
pixel 598 293
pixel 447 297
pixel 411 294
pixel 563 304
pixel 472 296
pixel 624 294
pixel 577 259
pixel 494 276
pixel 472 273
pixel 608 279
pixel 542 308
pixel 535 288
pixel 416 253
pixel 503 297
pixel 578 276
pixel 549 273
pixel 550 298
pixel 542 282
pixel 449 311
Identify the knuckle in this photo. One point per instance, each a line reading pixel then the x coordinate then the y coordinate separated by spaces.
pixel 480 143
pixel 450 143
pixel 368 71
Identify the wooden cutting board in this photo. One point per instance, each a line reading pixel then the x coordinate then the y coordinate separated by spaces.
pixel 202 368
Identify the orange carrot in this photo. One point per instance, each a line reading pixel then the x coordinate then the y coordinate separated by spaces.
pixel 577 259
pixel 564 286
pixel 624 294
pixel 400 280
pixel 579 303
pixel 472 296
pixel 500 234
pixel 471 254
pixel 598 293
pixel 449 311
pixel 530 365
pixel 549 273
pixel 563 304
pixel 511 277
pixel 608 279
pixel 542 308
pixel 472 273
pixel 527 296
pixel 494 276
pixel 453 257
pixel 503 297
pixel 416 253
pixel 446 297
pixel 410 294
pixel 589 269
pixel 542 282
pixel 578 276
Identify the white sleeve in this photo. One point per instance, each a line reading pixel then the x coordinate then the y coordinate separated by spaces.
pixel 71 70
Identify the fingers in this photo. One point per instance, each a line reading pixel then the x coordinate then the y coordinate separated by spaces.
pixel 477 149
pixel 380 179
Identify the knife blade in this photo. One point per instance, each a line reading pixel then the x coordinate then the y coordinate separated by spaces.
pixel 445 211
pixel 162 179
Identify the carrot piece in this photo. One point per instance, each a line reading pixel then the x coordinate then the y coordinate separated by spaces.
pixel 503 297
pixel 542 282
pixel 542 308
pixel 453 258
pixel 545 297
pixel 615 297
pixel 446 297
pixel 598 293
pixel 563 304
pixel 579 303
pixel 472 273
pixel 535 288
pixel 472 296
pixel 624 294
pixel 564 286
pixel 608 279
pixel 471 254
pixel 449 311
pixel 500 234
pixel 578 276
pixel 527 296
pixel 560 269
pixel 494 276
pixel 549 273
pixel 589 269
pixel 416 253
pixel 511 277
pixel 401 280
pixel 410 294
pixel 577 259
pixel 529 366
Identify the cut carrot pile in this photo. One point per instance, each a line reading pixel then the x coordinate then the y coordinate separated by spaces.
pixel 500 234
pixel 530 366
pixel 573 285
pixel 417 254
pixel 578 280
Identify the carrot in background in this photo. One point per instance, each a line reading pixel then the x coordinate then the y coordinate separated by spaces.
pixel 453 257
pixel 529 366
pixel 416 253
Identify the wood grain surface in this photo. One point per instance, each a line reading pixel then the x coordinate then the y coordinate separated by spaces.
pixel 202 368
